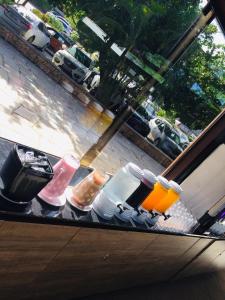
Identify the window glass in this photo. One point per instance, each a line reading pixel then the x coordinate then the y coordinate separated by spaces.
pixel 60 39
pixel 124 59
pixel 161 127
pixel 173 136
pixel 72 51
pixel 137 81
pixel 80 56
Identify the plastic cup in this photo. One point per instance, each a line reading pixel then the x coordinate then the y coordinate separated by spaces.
pixel 82 195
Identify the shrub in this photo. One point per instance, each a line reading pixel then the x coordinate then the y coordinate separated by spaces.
pixel 52 21
pixel 55 23
pixel 38 13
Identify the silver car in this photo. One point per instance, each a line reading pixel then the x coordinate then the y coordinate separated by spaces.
pixel 165 137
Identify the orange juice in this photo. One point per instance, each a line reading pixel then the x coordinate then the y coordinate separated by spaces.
pixel 171 198
pixel 160 191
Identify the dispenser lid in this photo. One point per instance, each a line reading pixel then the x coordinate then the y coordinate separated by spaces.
pixel 149 176
pixel 176 187
pixel 164 182
pixel 134 170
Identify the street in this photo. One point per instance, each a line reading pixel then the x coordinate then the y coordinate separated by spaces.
pixel 38 112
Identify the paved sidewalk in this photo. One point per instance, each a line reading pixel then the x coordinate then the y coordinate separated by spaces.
pixel 36 111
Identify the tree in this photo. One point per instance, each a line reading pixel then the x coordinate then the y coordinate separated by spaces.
pixel 6 1
pixel 195 85
pixel 148 28
pixel 43 5
pixel 141 26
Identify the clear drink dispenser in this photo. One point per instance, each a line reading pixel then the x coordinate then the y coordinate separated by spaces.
pixel 117 190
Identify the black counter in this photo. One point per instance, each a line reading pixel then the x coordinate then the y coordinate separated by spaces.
pixel 40 212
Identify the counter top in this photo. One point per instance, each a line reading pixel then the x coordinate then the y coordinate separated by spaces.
pixel 40 212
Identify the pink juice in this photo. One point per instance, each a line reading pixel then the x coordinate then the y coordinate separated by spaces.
pixel 64 171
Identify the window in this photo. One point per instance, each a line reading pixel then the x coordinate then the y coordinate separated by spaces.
pixel 173 136
pixel 161 127
pixel 80 56
pixel 41 26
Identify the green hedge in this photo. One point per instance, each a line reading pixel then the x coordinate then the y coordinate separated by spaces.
pixel 53 22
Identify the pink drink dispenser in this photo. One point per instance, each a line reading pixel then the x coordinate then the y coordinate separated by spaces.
pixel 64 171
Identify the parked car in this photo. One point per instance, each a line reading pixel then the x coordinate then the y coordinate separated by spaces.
pixel 38 34
pixel 165 137
pixel 139 124
pixel 184 141
pixel 57 40
pixel 12 19
pixel 139 120
pixel 74 61
pixel 144 112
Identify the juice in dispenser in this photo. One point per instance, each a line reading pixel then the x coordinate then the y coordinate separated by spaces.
pixel 161 189
pixel 146 186
pixel 139 195
pixel 171 198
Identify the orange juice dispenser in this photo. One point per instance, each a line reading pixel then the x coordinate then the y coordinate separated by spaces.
pixel 160 191
pixel 171 198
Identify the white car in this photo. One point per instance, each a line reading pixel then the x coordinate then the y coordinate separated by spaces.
pixel 37 33
pixel 74 61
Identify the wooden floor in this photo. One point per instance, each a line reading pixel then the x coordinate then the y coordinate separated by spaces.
pixel 60 263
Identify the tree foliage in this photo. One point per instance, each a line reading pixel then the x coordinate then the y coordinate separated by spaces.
pixel 150 28
pixel 6 1
pixel 50 20
pixel 43 5
pixel 196 84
